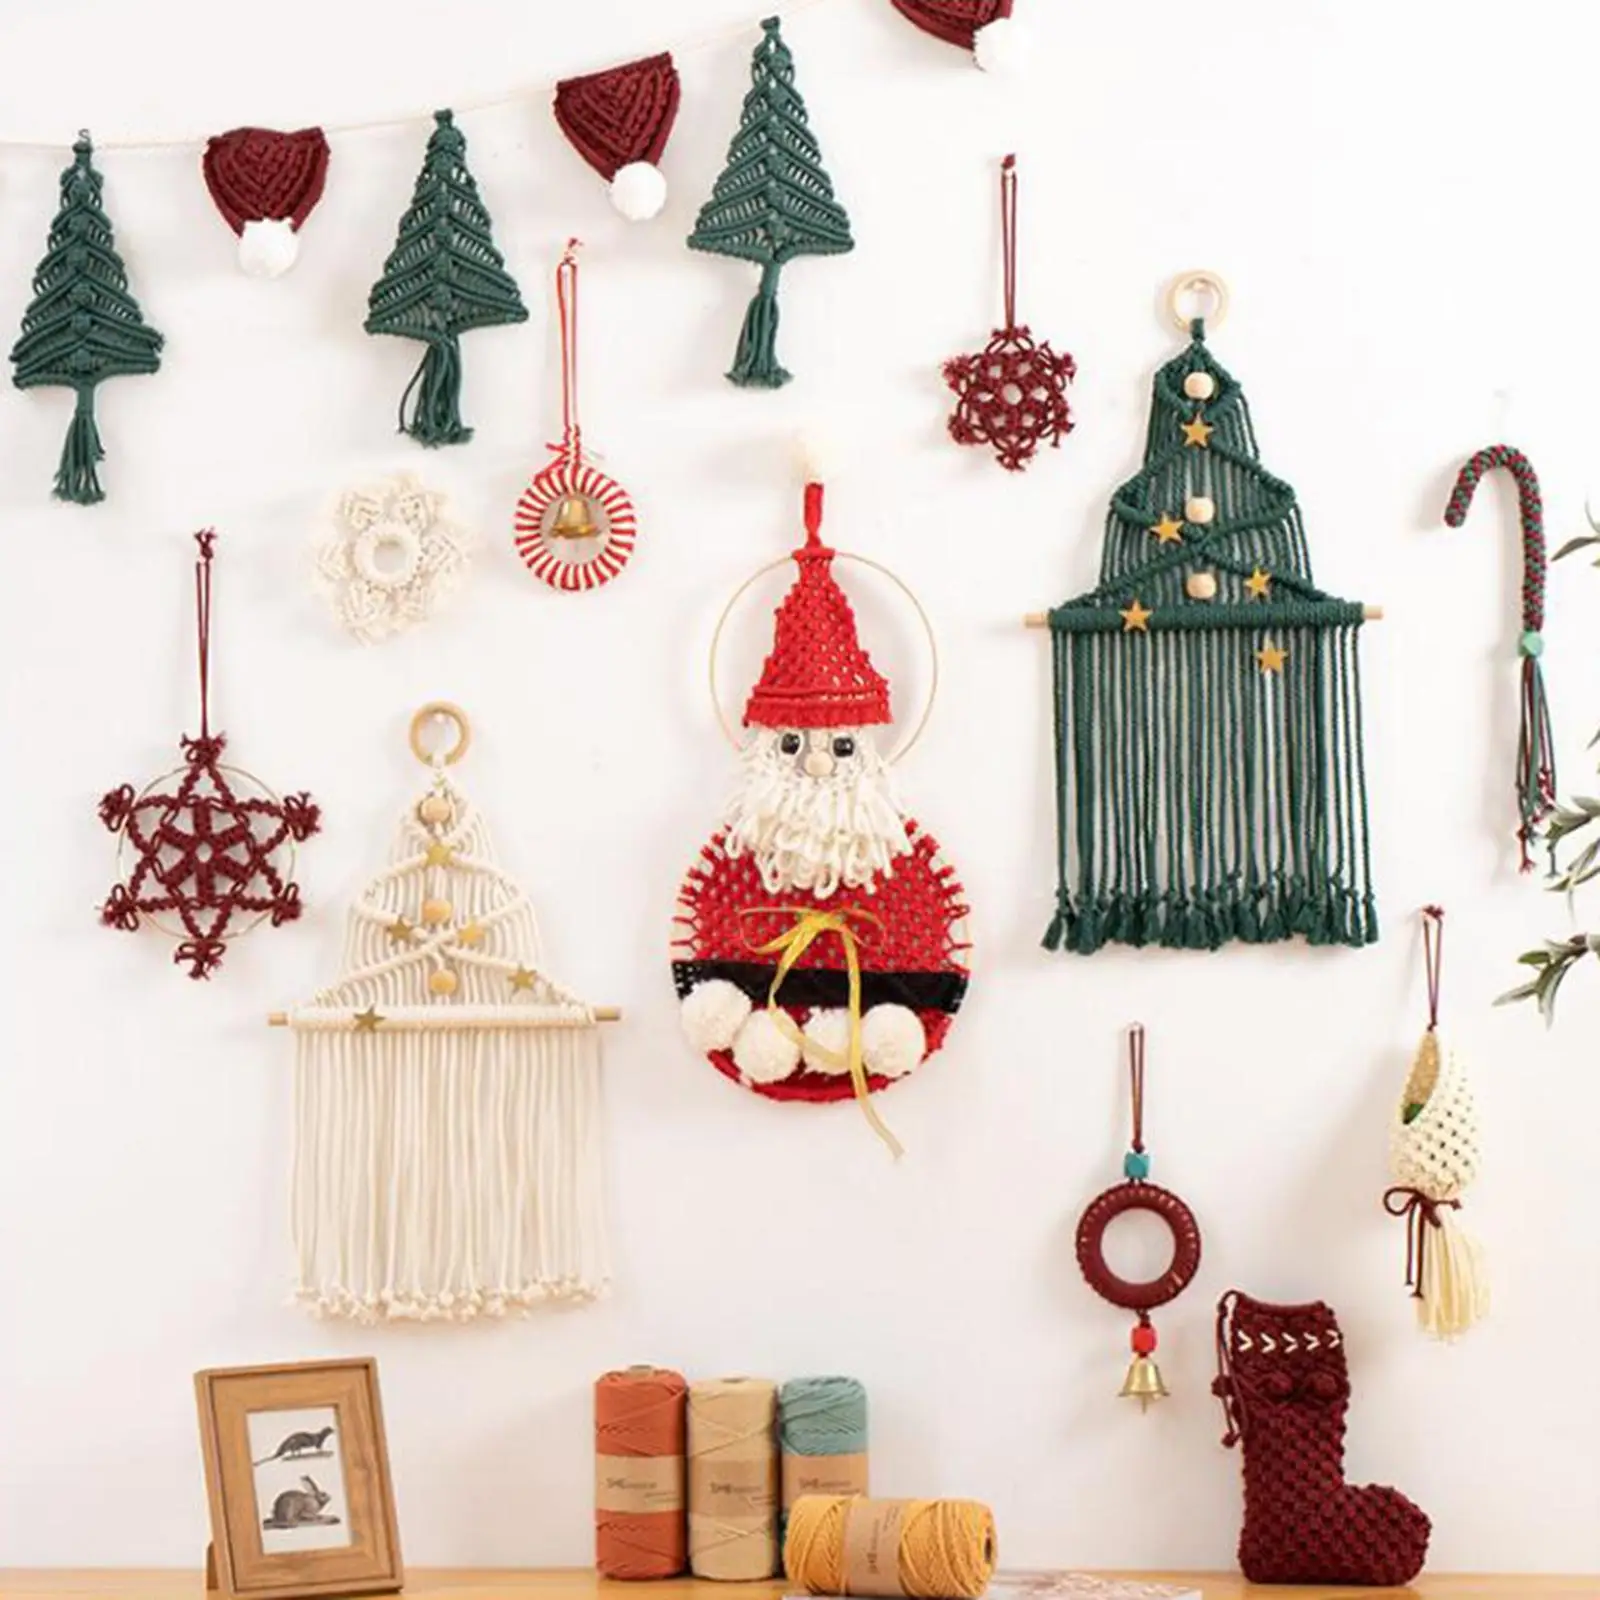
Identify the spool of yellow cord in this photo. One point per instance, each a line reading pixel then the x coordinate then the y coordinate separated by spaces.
pixel 924 1549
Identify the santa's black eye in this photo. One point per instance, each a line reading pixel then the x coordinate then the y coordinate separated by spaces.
pixel 844 748
pixel 790 744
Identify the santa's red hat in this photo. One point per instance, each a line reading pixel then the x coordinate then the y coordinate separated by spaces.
pixel 817 675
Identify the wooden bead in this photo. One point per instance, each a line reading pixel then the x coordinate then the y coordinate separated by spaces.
pixel 1201 586
pixel 1199 386
pixel 435 912
pixel 1200 509
pixel 435 809
pixel 443 982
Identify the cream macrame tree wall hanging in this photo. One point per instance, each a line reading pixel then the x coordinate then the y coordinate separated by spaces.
pixel 448 1142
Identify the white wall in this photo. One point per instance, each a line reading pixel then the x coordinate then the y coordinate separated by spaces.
pixel 1402 199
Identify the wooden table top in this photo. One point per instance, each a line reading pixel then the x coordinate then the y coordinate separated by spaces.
pixel 497 1584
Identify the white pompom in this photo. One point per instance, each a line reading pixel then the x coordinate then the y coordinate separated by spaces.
pixel 763 1052
pixel 830 1031
pixel 713 1012
pixel 639 191
pixel 1001 48
pixel 817 456
pixel 268 249
pixel 892 1041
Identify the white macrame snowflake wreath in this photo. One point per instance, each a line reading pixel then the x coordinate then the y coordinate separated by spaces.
pixel 393 557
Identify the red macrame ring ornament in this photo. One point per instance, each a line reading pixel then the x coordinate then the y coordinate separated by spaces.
pixel 564 478
pixel 1103 1210
pixel 620 119
pixel 266 184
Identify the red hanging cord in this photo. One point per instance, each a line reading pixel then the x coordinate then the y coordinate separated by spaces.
pixel 1433 958
pixel 206 539
pixel 1136 1080
pixel 567 309
pixel 1008 235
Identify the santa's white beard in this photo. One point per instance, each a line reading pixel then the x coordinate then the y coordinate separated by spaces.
pixel 815 833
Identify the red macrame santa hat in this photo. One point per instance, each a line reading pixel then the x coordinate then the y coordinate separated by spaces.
pixel 817 675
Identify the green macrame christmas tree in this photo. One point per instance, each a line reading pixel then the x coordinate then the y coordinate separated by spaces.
pixel 772 203
pixel 1210 781
pixel 83 325
pixel 443 276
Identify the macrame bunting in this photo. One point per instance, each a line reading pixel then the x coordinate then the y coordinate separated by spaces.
pixel 392 559
pixel 1210 782
pixel 1536 757
pixel 206 852
pixel 448 1141
pixel 443 277
pixel 1433 1157
pixel 772 203
pixel 266 184
pixel 1011 395
pixel 575 527
pixel 83 326
pixel 619 121
pixel 819 946
pixel 985 27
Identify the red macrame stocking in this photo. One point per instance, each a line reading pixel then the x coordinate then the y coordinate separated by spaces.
pixel 208 843
pixel 1285 1388
pixel 1011 395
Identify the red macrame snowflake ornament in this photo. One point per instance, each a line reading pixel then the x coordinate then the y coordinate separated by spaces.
pixel 619 121
pixel 208 847
pixel 1011 395
pixel 266 184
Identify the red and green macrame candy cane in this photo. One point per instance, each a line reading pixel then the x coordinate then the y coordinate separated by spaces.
pixel 1536 759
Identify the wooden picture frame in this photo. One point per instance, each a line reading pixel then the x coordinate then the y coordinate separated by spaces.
pixel 297 1477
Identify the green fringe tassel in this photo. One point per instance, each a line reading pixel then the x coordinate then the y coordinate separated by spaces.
pixel 76 479
pixel 436 385
pixel 755 364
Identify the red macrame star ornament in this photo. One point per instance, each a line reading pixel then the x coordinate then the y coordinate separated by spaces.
pixel 208 843
pixel 1011 395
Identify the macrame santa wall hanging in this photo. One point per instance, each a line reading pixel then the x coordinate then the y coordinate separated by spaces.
pixel 83 326
pixel 772 203
pixel 575 526
pixel 207 852
pixel 819 945
pixel 1536 756
pixel 1209 771
pixel 266 184
pixel 443 277
pixel 619 121
pixel 448 1141
pixel 1433 1157
pixel 985 27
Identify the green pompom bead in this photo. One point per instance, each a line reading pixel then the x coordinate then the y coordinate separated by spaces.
pixel 1532 644
pixel 1136 1164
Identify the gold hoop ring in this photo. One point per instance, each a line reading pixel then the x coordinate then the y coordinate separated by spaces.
pixel 861 561
pixel 1200 281
pixel 441 711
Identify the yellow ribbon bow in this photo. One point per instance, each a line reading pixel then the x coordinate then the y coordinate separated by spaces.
pixel 809 926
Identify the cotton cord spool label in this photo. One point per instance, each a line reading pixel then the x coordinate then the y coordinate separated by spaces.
pixel 823 1475
pixel 872 1534
pixel 638 1485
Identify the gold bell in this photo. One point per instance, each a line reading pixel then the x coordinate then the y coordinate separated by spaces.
pixel 574 519
pixel 1143 1383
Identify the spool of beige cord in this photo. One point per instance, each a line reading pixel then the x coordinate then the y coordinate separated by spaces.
pixel 733 1479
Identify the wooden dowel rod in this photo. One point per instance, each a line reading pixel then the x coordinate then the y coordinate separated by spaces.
pixel 329 1023
pixel 1041 619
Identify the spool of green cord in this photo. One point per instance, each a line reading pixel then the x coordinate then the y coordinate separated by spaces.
pixel 822 1431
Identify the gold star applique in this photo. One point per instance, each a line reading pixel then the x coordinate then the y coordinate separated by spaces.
pixel 1168 530
pixel 1136 618
pixel 1197 431
pixel 439 854
pixel 400 931
pixel 522 978
pixel 367 1021
pixel 470 935
pixel 1272 657
pixel 1258 584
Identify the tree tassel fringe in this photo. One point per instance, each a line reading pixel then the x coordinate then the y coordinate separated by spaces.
pixel 1536 761
pixel 76 478
pixel 755 363
pixel 434 395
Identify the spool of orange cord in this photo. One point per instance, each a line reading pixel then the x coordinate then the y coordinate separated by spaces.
pixel 640 1529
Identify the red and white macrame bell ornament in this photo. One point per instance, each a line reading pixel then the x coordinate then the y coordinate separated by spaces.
pixel 619 121
pixel 996 39
pixel 819 944
pixel 265 185
pixel 575 527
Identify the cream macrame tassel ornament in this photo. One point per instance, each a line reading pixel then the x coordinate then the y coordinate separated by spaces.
pixel 448 1141
pixel 1433 1157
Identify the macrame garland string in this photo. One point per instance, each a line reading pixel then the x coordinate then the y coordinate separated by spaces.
pixel 1536 762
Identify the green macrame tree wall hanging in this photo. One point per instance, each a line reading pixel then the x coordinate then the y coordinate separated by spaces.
pixel 83 325
pixel 772 203
pixel 1209 773
pixel 443 276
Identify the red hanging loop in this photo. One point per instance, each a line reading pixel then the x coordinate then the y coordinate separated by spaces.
pixel 1008 235
pixel 206 539
pixel 567 310
pixel 1433 958
pixel 1136 1082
